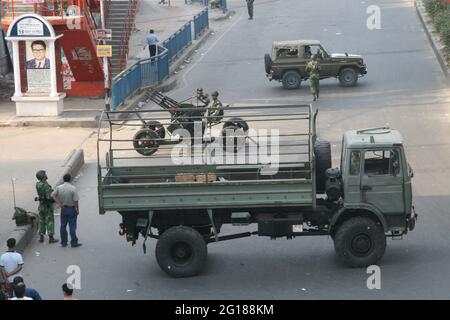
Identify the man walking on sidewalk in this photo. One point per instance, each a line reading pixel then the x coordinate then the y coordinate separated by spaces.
pixel 152 41
pixel 67 197
pixel 250 9
pixel 45 209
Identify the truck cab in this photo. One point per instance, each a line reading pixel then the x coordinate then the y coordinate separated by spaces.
pixel 376 177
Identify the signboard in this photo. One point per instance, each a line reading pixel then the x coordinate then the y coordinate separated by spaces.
pixel 104 51
pixel 30 27
pixel 38 80
pixel 103 34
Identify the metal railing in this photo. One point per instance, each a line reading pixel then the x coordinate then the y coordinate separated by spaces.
pixel 142 74
pixel 49 8
pixel 177 42
pixel 201 23
pixel 124 48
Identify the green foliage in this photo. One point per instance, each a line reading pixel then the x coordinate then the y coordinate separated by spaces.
pixel 439 10
pixel 434 7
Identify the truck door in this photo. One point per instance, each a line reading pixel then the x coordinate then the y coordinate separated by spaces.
pixel 382 180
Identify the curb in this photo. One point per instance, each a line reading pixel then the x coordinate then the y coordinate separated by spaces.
pixel 434 41
pixel 25 234
pixel 225 16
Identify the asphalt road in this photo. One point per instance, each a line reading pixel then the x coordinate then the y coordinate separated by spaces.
pixel 404 88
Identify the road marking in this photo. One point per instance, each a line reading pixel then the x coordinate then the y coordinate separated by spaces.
pixel 188 70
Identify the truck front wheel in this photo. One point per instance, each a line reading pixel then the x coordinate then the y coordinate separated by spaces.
pixel 181 252
pixel 348 77
pixel 360 242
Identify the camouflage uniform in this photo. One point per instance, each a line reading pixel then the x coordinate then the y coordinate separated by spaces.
pixel 313 68
pixel 215 114
pixel 47 221
pixel 250 8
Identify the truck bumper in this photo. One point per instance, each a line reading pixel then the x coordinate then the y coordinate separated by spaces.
pixel 363 70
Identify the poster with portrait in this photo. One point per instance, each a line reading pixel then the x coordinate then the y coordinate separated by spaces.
pixel 37 66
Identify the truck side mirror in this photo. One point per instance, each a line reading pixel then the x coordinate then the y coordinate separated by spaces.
pixel 410 172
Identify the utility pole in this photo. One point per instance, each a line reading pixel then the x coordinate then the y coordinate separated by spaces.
pixel 105 61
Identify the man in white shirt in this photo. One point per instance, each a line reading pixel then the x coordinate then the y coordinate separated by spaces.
pixel 11 261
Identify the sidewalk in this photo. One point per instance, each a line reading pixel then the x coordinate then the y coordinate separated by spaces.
pixel 78 112
pixel 164 20
pixel 24 151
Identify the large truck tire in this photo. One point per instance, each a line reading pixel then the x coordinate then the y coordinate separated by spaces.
pixel 322 152
pixel 360 242
pixel 267 63
pixel 181 252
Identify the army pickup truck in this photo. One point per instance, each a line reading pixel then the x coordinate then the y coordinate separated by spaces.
pixel 288 61
pixel 185 205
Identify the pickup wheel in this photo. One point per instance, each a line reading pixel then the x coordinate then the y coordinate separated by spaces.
pixel 348 77
pixel 291 80
pixel 267 63
pixel 146 142
pixel 181 252
pixel 360 242
pixel 157 127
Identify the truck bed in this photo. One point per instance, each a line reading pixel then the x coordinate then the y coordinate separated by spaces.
pixel 141 188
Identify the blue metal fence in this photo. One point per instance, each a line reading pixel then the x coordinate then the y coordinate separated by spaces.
pixel 150 71
pixel 223 5
pixel 178 41
pixel 201 23
pixel 142 74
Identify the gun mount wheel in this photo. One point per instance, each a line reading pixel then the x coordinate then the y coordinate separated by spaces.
pixel 360 242
pixel 348 77
pixel 157 127
pixel 322 152
pixel 181 252
pixel 291 80
pixel 234 134
pixel 146 142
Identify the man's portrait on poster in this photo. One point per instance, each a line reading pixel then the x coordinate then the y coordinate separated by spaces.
pixel 39 60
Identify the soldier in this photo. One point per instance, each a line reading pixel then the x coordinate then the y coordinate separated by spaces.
pixel 250 9
pixel 47 221
pixel 201 97
pixel 313 68
pixel 214 115
pixel 307 54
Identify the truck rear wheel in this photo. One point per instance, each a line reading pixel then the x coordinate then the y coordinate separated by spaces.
pixel 181 252
pixel 360 242
pixel 348 77
pixel 291 80
pixel 322 152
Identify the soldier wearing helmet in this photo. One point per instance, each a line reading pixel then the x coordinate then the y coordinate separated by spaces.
pixel 214 114
pixel 47 220
pixel 202 98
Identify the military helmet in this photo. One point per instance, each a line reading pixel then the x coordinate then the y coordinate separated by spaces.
pixel 215 94
pixel 40 174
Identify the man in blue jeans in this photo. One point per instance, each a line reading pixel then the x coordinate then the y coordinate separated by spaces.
pixel 66 195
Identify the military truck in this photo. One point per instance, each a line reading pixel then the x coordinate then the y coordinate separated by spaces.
pixel 185 205
pixel 288 60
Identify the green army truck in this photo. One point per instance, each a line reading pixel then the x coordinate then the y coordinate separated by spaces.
pixel 184 206
pixel 288 60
